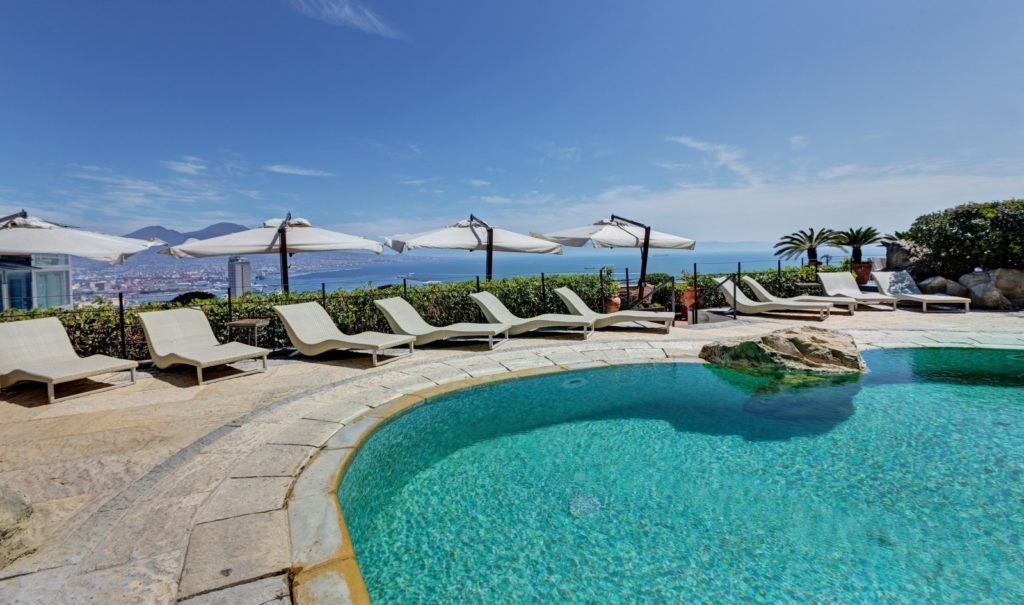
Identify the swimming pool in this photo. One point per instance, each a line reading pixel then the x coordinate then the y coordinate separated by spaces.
pixel 681 483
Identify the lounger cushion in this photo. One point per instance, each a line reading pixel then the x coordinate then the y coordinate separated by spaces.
pixel 68 370
pixel 205 357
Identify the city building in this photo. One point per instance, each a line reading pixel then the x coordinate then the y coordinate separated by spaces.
pixel 239 275
pixel 35 282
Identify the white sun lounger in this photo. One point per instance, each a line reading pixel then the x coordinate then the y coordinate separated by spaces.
pixel 184 336
pixel 763 295
pixel 495 311
pixel 313 332
pixel 842 284
pixel 39 350
pixel 404 319
pixel 744 305
pixel 601 320
pixel 901 285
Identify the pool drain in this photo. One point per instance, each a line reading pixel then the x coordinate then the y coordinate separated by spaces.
pixel 574 383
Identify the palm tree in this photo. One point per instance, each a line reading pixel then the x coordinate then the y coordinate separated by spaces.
pixel 856 239
pixel 805 242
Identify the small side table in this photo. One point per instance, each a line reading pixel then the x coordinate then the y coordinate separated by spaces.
pixel 253 325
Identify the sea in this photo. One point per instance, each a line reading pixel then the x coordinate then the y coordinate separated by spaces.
pixel 427 266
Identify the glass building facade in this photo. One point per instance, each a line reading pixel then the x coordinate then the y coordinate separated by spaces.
pixel 35 282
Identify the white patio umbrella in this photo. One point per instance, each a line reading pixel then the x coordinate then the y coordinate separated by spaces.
pixel 24 235
pixel 473 235
pixel 619 232
pixel 281 236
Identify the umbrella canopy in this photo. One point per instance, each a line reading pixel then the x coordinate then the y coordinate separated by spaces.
pixel 608 233
pixel 24 235
pixel 619 232
pixel 473 235
pixel 301 236
pixel 276 236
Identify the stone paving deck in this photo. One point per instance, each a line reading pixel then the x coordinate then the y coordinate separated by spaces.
pixel 165 491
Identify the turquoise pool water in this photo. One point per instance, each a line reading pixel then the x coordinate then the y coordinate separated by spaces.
pixel 675 483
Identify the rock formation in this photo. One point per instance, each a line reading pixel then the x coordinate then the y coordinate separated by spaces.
pixel 995 289
pixel 802 349
pixel 941 285
pixel 15 513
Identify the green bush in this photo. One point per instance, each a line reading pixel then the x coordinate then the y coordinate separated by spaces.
pixel 95 328
pixel 953 242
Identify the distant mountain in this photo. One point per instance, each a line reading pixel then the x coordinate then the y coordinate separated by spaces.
pixel 174 238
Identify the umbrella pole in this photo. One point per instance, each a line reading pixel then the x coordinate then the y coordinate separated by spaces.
pixel 490 253
pixel 643 260
pixel 283 245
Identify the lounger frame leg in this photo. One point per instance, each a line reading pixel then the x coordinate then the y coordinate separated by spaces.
pixel 391 358
pixel 259 370
pixel 52 387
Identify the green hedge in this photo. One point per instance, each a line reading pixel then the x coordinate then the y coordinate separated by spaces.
pixel 94 329
pixel 782 283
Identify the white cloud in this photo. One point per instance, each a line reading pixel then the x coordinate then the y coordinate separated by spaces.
pixel 189 164
pixel 725 156
pixel 296 170
pixel 835 172
pixel 496 199
pixel 673 166
pixel 478 183
pixel 561 153
pixel 798 141
pixel 346 13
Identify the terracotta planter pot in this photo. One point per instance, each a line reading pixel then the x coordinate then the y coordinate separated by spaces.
pixel 612 304
pixel 633 293
pixel 687 296
pixel 862 271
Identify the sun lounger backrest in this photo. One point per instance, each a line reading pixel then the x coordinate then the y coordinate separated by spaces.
pixel 727 289
pixel 307 322
pixel 839 283
pixel 33 340
pixel 574 302
pixel 758 289
pixel 402 317
pixel 493 308
pixel 176 330
pixel 897 282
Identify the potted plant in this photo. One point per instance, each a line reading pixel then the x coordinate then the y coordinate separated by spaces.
pixel 856 239
pixel 611 300
pixel 805 242
pixel 686 296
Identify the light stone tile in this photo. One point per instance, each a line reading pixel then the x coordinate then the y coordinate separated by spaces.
pixel 231 551
pixel 236 497
pixel 148 530
pixel 268 591
pixel 318 478
pixel 349 436
pixel 526 363
pixel 141 581
pixel 273 461
pixel 332 583
pixel 316 533
pixel 305 432
pixel 340 412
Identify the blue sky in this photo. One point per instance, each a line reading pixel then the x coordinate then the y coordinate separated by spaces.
pixel 717 121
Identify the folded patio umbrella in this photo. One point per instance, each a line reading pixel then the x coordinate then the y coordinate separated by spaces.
pixel 24 235
pixel 474 234
pixel 276 236
pixel 618 232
